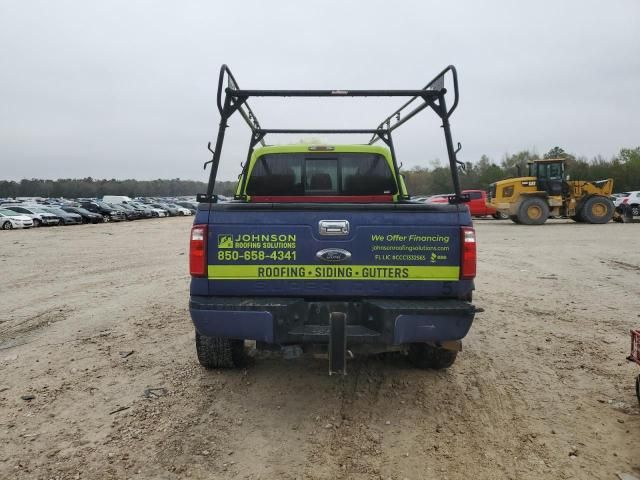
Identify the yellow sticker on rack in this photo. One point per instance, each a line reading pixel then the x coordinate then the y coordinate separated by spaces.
pixel 333 272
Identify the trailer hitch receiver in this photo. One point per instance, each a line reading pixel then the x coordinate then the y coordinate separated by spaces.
pixel 338 343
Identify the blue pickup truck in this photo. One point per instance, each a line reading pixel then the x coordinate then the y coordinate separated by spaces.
pixel 322 247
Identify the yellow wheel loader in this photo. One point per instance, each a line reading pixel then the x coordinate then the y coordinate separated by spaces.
pixel 546 192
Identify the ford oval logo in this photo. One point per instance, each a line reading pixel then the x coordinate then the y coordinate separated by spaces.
pixel 334 255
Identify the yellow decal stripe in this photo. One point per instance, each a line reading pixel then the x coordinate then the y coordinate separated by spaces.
pixel 332 272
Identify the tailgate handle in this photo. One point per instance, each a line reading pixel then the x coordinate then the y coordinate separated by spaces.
pixel 333 227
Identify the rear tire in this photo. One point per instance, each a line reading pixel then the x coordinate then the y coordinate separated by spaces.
pixel 36 222
pixel 7 225
pixel 423 355
pixel 219 352
pixel 533 211
pixel 500 216
pixel 597 210
pixel 578 217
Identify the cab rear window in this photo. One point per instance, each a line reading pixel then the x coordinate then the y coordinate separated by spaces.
pixel 321 174
pixel 475 195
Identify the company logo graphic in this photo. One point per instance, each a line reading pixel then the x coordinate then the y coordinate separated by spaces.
pixel 333 255
pixel 437 257
pixel 225 241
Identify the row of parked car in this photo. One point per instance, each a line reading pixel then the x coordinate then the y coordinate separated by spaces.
pixel 629 200
pixel 477 204
pixel 27 213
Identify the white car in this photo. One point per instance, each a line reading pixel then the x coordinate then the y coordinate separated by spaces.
pixel 36 213
pixel 183 210
pixel 632 199
pixel 10 220
pixel 617 198
pixel 160 212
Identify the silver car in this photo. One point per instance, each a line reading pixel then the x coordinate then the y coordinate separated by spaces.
pixel 66 218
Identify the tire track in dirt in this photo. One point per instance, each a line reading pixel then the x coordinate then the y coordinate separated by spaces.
pixel 17 332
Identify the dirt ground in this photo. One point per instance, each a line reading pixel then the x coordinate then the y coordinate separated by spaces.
pixel 92 316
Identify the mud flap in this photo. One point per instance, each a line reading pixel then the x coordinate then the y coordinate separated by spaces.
pixel 338 343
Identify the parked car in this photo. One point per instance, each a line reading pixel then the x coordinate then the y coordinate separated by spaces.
pixel 444 198
pixel 161 212
pixel 109 213
pixel 132 212
pixel 631 199
pixel 10 220
pixel 87 216
pixel 148 209
pixel 171 210
pixel 144 212
pixel 155 212
pixel 477 205
pixel 116 199
pixel 181 210
pixel 617 198
pixel 129 214
pixel 192 206
pixel 66 218
pixel 37 214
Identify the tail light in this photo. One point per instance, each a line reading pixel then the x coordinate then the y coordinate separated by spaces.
pixel 468 253
pixel 198 251
pixel 625 199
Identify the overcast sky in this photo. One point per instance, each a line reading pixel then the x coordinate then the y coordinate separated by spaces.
pixel 126 89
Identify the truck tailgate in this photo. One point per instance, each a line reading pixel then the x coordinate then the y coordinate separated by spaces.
pixel 346 250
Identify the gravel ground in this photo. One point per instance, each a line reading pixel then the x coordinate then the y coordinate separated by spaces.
pixel 94 316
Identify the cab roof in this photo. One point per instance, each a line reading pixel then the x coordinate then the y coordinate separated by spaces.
pixel 320 148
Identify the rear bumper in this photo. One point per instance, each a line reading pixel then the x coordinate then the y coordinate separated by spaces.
pixel 292 320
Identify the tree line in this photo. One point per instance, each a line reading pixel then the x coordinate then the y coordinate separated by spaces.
pixel 624 168
pixel 92 188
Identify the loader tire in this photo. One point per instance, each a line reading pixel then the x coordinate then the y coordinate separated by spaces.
pixel 425 356
pixel 578 218
pixel 219 352
pixel 533 211
pixel 597 210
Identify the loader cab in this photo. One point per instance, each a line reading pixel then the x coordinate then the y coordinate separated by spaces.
pixel 549 175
